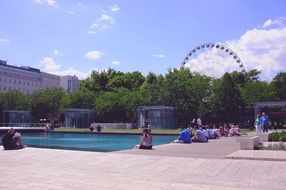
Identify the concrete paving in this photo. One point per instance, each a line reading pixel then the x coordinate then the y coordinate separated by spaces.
pixel 36 168
pixel 215 148
pixel 267 155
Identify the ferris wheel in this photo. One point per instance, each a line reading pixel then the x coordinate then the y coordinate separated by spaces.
pixel 213 59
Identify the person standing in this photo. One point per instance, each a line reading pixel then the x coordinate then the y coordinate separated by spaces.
pixel 265 122
pixel 199 122
pixel 258 124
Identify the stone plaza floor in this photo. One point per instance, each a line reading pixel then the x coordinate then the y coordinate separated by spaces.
pixel 37 168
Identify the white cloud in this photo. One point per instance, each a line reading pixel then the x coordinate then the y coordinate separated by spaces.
pixel 81 5
pixel 159 55
pixel 71 71
pixel 49 2
pixel 262 49
pixel 100 25
pixel 279 22
pixel 116 62
pixel 4 40
pixel 92 32
pixel 94 54
pixel 105 17
pixel 70 12
pixel 49 64
pixel 114 8
pixel 103 23
pixel 57 52
pixel 267 23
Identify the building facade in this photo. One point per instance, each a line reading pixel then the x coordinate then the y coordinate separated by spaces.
pixel 69 83
pixel 27 79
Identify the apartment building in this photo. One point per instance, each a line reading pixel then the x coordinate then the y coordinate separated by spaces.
pixel 27 79
pixel 69 83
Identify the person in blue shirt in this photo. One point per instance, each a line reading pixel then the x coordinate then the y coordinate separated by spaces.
pixel 184 137
pixel 265 122
pixel 199 136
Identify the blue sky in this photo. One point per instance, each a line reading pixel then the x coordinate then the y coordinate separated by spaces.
pixel 75 37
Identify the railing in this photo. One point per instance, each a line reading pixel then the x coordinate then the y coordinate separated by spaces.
pixel 24 125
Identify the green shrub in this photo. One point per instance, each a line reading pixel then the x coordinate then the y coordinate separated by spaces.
pixel 278 136
pixel 282 138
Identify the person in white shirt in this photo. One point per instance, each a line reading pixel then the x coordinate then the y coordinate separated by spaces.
pixel 199 122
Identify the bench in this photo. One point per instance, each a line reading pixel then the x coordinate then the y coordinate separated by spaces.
pixel 248 143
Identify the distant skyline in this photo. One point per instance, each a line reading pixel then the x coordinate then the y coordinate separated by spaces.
pixel 71 37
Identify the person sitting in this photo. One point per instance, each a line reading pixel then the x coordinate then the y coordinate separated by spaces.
pixel 213 133
pixel 146 141
pixel 184 137
pixel 226 130
pixel 234 131
pixel 12 140
pixel 199 136
pixel 221 130
pixel 237 130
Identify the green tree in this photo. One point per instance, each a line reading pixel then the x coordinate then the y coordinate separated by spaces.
pixel 257 91
pixel 130 81
pixel 229 105
pixel 188 92
pixel 45 103
pixel 279 82
pixel 96 82
pixel 109 107
pixel 79 99
pixel 131 101
pixel 152 89
pixel 14 101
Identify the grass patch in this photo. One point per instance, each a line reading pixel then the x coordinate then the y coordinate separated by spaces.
pixel 246 131
pixel 163 131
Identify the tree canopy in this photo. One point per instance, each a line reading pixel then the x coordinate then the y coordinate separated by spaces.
pixel 115 95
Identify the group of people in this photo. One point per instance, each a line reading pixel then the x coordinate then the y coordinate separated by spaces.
pixel 198 133
pixel 203 133
pixel 261 123
pixel 12 140
pixel 98 128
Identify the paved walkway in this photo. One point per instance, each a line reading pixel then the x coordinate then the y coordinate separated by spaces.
pixel 215 148
pixel 267 155
pixel 35 168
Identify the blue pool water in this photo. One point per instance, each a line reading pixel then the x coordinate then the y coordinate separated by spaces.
pixel 90 142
